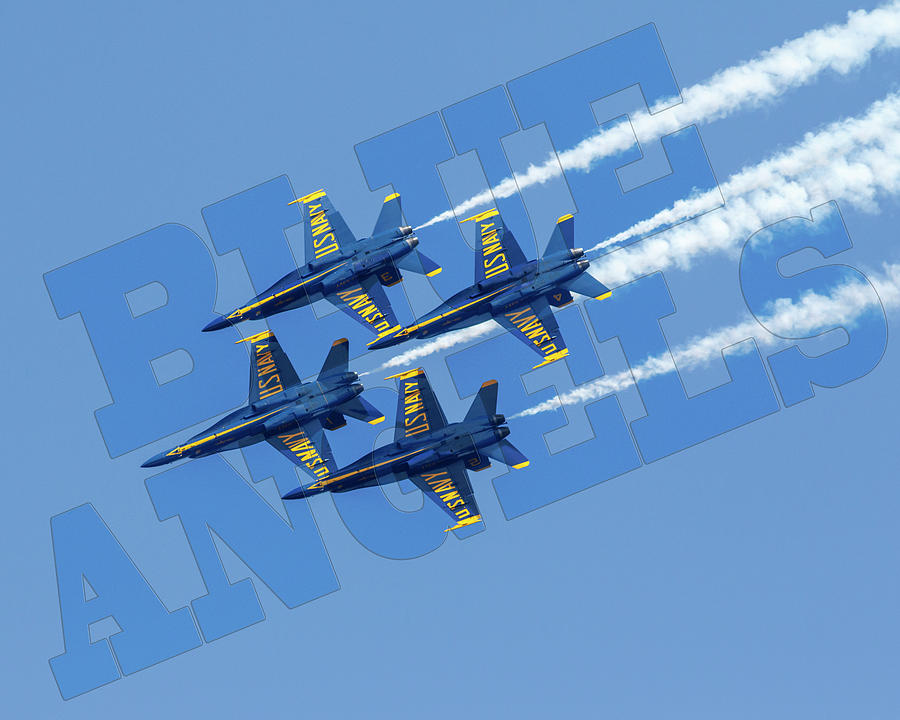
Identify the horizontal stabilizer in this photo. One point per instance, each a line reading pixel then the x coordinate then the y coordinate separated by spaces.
pixel 560 297
pixel 587 284
pixel 505 452
pixel 337 361
pixel 333 421
pixel 485 402
pixel 418 262
pixel 362 409
pixel 389 276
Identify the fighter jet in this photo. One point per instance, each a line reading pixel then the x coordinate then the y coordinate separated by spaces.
pixel 288 414
pixel 515 292
pixel 346 272
pixel 433 454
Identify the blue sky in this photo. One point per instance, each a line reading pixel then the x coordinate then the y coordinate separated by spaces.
pixel 749 575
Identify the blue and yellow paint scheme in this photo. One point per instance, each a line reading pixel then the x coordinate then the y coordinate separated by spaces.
pixel 433 454
pixel 284 411
pixel 349 273
pixel 512 290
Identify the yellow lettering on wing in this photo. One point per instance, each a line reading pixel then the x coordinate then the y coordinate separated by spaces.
pixel 357 299
pixel 442 485
pixel 493 257
pixel 299 444
pixel 267 377
pixel 323 235
pixel 415 419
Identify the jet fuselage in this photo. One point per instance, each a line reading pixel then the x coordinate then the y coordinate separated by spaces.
pixel 425 451
pixel 487 299
pixel 334 271
pixel 255 422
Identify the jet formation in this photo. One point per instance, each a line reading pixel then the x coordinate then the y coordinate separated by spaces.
pixel 292 416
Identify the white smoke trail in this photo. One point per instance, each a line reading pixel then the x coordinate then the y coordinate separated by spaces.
pixel 811 314
pixel 443 342
pixel 855 160
pixel 838 159
pixel 839 48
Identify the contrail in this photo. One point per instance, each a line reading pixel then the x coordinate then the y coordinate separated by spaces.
pixel 854 160
pixel 839 48
pixel 813 313
pixel 456 337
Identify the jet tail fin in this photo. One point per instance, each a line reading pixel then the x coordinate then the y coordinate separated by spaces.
pixel 418 262
pixel 391 215
pixel 563 237
pixel 586 284
pixel 485 402
pixel 507 453
pixel 338 359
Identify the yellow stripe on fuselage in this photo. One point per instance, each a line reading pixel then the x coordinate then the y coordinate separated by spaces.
pixel 181 448
pixel 241 311
pixel 456 310
pixel 352 473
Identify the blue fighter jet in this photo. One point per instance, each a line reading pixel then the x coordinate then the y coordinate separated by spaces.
pixel 349 273
pixel 288 414
pixel 515 292
pixel 433 454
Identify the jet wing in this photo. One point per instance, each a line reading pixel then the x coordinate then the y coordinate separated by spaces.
pixel 496 249
pixel 306 446
pixel 270 370
pixel 450 490
pixel 418 410
pixel 325 231
pixel 366 303
pixel 533 323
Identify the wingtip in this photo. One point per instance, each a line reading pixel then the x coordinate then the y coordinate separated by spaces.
pixel 552 357
pixel 341 341
pixel 391 197
pixel 376 420
pixel 563 218
pixel 462 523
pixel 522 465
pixel 488 383
pixel 406 374
pixel 482 216
pixel 434 272
pixel 603 296
pixel 309 197
pixel 254 338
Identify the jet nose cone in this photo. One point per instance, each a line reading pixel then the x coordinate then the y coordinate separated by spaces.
pixel 156 460
pixel 294 494
pixel 217 324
